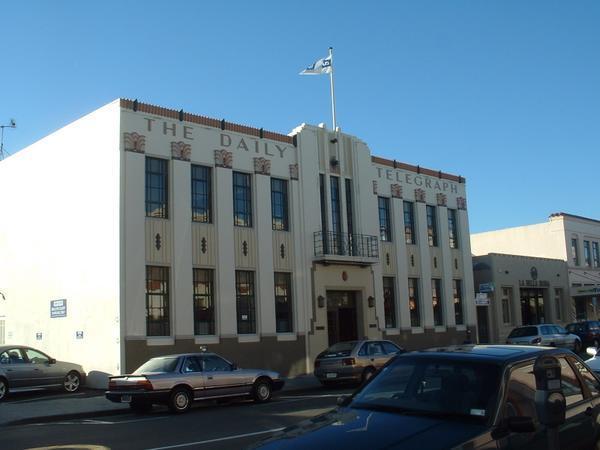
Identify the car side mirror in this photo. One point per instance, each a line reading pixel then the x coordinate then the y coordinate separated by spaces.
pixel 344 400
pixel 52 361
pixel 520 424
pixel 592 351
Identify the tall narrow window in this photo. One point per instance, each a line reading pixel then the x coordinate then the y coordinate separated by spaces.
pixel 436 298
pixel 242 199
pixel 587 254
pixel 506 305
pixel 452 228
pixel 574 252
pixel 458 304
pixel 413 302
pixel 349 218
pixel 409 223
pixel 157 192
pixel 204 303
pixel 432 237
pixel 558 303
pixel 596 254
pixel 389 302
pixel 201 194
pixel 324 229
pixel 385 231
pixel 336 216
pixel 279 204
pixel 157 301
pixel 245 302
pixel 283 303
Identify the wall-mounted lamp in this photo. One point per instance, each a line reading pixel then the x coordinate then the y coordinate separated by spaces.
pixel 371 301
pixel 334 162
pixel 321 301
pixel 333 141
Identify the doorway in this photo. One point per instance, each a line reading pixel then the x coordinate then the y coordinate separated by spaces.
pixel 482 325
pixel 532 306
pixel 342 320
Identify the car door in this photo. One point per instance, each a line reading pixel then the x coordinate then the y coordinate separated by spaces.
pixel 19 372
pixel 220 379
pixel 46 373
pixel 578 430
pixel 547 335
pixel 191 370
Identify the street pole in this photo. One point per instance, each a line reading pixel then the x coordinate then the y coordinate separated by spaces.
pixel 2 127
pixel 332 88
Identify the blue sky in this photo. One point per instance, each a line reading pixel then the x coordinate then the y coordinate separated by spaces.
pixel 504 93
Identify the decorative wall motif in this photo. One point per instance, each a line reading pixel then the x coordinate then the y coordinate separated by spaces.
pixel 420 195
pixel 375 187
pixel 442 199
pixel 262 166
pixel 157 241
pixel 387 259
pixel 396 190
pixel 294 171
pixel 223 158
pixel 461 203
pixel 134 142
pixel 203 245
pixel 181 151
pixel 412 260
pixel 334 166
pixel 245 248
pixel 282 250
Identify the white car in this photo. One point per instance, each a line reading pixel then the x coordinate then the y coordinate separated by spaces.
pixel 594 362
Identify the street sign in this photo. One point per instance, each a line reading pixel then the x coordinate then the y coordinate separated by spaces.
pixel 482 299
pixel 79 334
pixel 486 287
pixel 58 308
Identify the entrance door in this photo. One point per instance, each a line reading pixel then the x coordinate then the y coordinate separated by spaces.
pixel 342 323
pixel 482 325
pixel 532 306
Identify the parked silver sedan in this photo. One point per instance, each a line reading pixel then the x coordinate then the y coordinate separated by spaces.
pixel 353 361
pixel 549 335
pixel 178 380
pixel 25 367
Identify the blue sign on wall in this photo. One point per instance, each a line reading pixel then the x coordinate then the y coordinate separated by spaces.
pixel 58 308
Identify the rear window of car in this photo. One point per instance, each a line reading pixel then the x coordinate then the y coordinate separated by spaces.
pixel 339 349
pixel 157 365
pixel 594 326
pixel 523 332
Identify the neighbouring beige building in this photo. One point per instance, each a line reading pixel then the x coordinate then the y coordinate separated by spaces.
pixel 517 290
pixel 571 238
pixel 139 230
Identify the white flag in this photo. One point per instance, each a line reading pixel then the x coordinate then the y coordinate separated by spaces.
pixel 321 66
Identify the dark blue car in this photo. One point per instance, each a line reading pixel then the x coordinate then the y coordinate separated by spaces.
pixel 472 397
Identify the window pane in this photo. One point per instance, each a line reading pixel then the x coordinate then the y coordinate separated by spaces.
pixel 570 383
pixel 520 399
pixel 389 302
pixel 204 310
pixel 279 204
pixel 245 302
pixel 452 229
pixel 431 226
pixel 458 309
pixel 242 200
pixel 156 187
pixel 283 303
pixel 385 231
pixel 436 297
pixel 201 194
pixel 413 302
pixel 409 223
pixel 157 301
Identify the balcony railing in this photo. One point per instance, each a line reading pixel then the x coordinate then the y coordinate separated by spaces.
pixel 344 244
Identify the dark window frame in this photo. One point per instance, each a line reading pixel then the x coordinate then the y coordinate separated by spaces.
pixel 389 302
pixel 207 296
pixel 245 302
pixel 432 233
pixel 452 228
pixel 157 182
pixel 587 253
pixel 284 312
pixel 414 305
pixel 408 209
pixel 242 199
pixel 459 314
pixel 575 251
pixel 437 302
pixel 201 177
pixel 279 204
pixel 162 325
pixel 385 227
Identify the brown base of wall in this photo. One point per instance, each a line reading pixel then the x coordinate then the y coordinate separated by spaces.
pixel 431 338
pixel 285 357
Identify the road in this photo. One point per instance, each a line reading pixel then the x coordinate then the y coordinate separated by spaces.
pixel 206 426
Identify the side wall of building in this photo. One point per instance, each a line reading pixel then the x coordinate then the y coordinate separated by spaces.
pixel 59 240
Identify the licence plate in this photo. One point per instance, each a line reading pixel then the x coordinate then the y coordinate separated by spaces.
pixel 125 398
pixel 331 375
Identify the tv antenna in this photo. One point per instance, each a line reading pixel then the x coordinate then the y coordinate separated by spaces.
pixel 12 124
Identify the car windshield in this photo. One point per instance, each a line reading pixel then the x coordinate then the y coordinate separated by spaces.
pixel 437 387
pixel 157 365
pixel 339 349
pixel 523 332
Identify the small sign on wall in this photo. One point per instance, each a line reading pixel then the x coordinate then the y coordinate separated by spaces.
pixel 79 335
pixel 482 299
pixel 38 336
pixel 58 308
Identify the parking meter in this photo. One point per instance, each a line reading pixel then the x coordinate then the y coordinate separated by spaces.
pixel 549 399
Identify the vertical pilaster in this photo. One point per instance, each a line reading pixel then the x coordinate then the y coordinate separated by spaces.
pixel 425 278
pixel 447 288
pixel 467 263
pixel 402 307
pixel 264 276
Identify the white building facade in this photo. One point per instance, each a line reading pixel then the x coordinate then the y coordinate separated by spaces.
pixel 139 231
pixel 573 239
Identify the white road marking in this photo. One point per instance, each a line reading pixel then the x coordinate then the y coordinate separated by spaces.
pixel 311 396
pixel 226 438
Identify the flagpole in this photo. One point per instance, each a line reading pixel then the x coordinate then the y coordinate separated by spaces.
pixel 332 88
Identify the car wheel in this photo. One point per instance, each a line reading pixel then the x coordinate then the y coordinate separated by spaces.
pixel 72 382
pixel 3 389
pixel 140 407
pixel 577 347
pixel 180 400
pixel 368 373
pixel 262 390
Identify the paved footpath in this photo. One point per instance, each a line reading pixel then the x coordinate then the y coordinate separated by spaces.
pixel 41 406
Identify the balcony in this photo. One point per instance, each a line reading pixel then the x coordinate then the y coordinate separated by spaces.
pixel 346 248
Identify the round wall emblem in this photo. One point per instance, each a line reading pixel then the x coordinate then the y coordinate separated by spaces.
pixel 533 273
pixel 344 275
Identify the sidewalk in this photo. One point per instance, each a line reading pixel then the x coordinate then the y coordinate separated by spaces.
pixel 93 404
